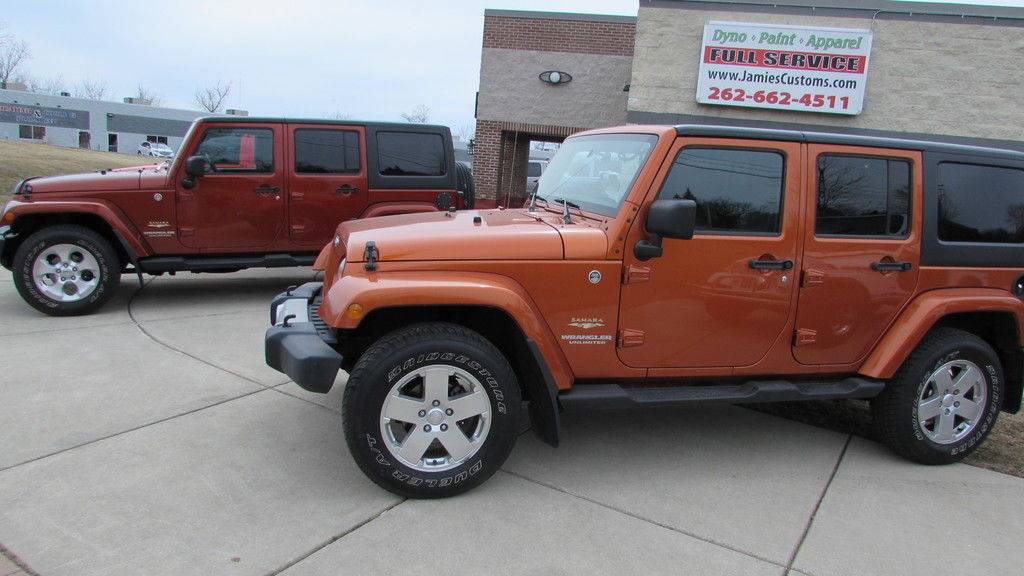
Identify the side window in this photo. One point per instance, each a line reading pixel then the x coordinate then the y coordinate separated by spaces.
pixel 737 191
pixel 324 151
pixel 411 154
pixel 862 196
pixel 533 170
pixel 239 149
pixel 981 203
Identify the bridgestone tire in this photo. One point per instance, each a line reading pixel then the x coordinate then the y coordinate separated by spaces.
pixel 895 410
pixel 109 269
pixel 405 351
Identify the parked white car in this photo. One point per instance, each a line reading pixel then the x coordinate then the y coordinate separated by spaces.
pixel 155 149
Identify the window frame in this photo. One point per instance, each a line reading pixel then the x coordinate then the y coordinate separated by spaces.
pixel 910 198
pixel 239 171
pixel 782 189
pixel 295 150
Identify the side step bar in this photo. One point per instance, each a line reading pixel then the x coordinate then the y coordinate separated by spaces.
pixel 161 264
pixel 615 397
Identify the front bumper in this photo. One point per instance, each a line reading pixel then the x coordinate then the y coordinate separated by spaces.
pixel 298 343
pixel 5 233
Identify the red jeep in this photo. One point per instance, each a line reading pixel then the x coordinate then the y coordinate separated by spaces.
pixel 242 193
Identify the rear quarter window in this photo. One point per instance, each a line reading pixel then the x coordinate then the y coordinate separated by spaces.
pixel 981 203
pixel 411 154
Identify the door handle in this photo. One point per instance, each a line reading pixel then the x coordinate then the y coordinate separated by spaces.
pixel 891 266
pixel 264 189
pixel 771 264
pixel 346 190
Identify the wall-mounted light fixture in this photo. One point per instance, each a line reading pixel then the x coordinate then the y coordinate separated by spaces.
pixel 555 77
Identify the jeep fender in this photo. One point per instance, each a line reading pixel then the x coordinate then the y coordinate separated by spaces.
pixel 403 289
pixel 390 208
pixel 322 259
pixel 923 313
pixel 112 215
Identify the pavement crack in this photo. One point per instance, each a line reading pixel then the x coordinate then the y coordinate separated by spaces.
pixel 647 520
pixel 337 537
pixel 817 505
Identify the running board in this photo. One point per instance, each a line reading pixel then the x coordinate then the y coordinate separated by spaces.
pixel 161 264
pixel 614 397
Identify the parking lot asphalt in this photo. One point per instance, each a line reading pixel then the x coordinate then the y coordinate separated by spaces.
pixel 150 438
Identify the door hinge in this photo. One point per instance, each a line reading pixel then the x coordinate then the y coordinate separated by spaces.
pixel 632 274
pixel 805 337
pixel 629 337
pixel 186 231
pixel 298 228
pixel 297 195
pixel 812 278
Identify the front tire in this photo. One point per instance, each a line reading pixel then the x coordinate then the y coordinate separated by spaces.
pixel 66 270
pixel 431 410
pixel 943 401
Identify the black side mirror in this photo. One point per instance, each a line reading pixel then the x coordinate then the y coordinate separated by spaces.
pixel 672 218
pixel 196 166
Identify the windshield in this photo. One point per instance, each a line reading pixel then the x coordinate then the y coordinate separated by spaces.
pixel 595 172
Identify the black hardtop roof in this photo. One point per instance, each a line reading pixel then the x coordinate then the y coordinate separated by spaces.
pixel 285 120
pixel 925 143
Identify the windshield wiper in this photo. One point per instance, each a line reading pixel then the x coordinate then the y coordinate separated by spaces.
pixel 567 203
pixel 533 200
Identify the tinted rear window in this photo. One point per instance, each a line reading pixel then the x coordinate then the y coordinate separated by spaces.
pixel 411 154
pixel 862 196
pixel 319 151
pixel 981 203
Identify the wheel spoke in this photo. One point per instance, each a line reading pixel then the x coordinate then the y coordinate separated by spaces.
pixel 944 427
pixel 456 443
pixel 943 381
pixel 435 384
pixel 415 444
pixel 967 378
pixel 469 405
pixel 969 409
pixel 403 409
pixel 929 409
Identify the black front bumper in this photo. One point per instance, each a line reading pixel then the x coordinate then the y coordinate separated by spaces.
pixel 5 232
pixel 298 343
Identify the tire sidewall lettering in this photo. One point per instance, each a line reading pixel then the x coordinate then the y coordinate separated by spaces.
pixel 993 403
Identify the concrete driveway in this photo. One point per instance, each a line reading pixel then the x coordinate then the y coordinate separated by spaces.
pixel 151 439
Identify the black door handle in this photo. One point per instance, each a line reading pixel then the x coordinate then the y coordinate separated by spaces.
pixel 891 266
pixel 346 190
pixel 264 189
pixel 771 264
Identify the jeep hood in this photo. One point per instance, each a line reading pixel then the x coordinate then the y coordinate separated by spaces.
pixel 115 179
pixel 473 235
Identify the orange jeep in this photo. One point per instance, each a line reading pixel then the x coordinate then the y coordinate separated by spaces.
pixel 663 266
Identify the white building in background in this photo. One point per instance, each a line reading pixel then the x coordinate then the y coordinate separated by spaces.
pixel 93 124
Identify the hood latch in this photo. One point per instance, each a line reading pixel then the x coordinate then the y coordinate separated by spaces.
pixel 371 255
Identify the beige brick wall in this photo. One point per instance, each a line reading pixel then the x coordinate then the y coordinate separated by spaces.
pixel 942 78
pixel 510 90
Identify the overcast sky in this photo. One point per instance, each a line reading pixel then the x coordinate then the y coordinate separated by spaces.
pixel 365 59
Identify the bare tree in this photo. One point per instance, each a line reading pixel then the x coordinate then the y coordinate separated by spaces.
pixel 143 93
pixel 464 133
pixel 212 97
pixel 341 116
pixel 419 115
pixel 53 85
pixel 91 89
pixel 13 53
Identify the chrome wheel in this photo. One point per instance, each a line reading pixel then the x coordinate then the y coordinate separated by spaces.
pixel 952 402
pixel 435 418
pixel 66 272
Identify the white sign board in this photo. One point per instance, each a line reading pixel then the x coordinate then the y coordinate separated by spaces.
pixel 784 67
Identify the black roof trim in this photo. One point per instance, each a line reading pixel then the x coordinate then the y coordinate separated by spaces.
pixel 870 8
pixel 284 120
pixel 570 16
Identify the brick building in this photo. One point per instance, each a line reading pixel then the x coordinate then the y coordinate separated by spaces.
pixel 934 69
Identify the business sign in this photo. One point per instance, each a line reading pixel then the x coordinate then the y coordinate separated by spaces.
pixel 784 67
pixel 43 116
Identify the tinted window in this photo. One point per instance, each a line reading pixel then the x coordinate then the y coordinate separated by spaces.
pixel 735 190
pixel 533 170
pixel 859 196
pixel 326 151
pixel 981 204
pixel 239 149
pixel 410 154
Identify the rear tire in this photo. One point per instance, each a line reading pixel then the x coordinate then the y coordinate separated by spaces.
pixel 431 410
pixel 943 401
pixel 66 270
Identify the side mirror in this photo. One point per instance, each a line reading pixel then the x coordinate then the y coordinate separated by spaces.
pixel 196 166
pixel 672 218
